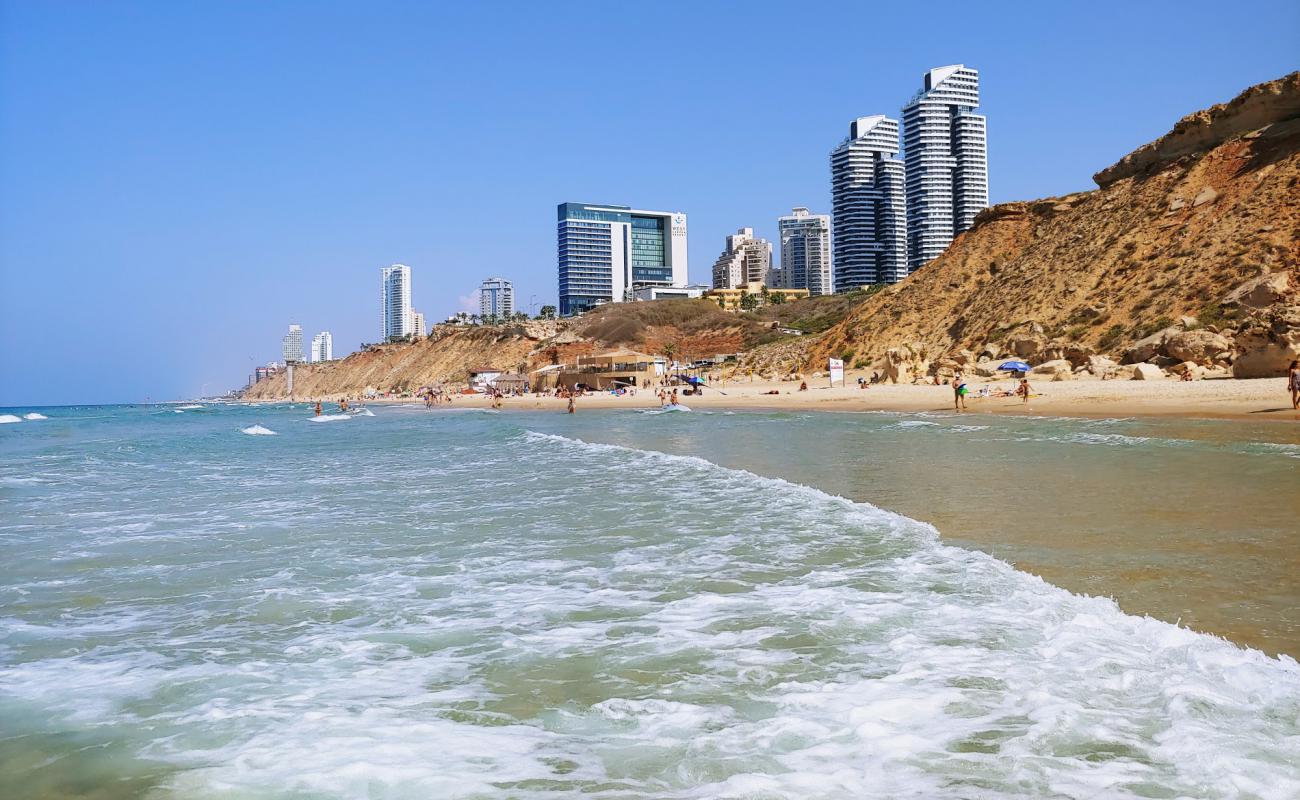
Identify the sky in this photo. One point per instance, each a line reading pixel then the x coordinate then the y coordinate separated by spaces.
pixel 180 181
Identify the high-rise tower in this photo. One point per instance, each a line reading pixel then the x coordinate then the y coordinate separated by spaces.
pixel 945 149
pixel 868 205
pixel 395 302
pixel 805 252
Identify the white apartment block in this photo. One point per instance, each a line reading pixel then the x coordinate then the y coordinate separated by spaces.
pixel 945 147
pixel 805 252
pixel 868 205
pixel 322 347
pixel 745 260
pixel 496 299
pixel 396 315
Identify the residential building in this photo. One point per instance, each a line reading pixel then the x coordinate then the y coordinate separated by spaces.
pixel 417 324
pixel 733 298
pixel 605 253
pixel 945 149
pixel 868 205
pixel 691 292
pixel 745 260
pixel 291 345
pixel 496 299
pixel 395 302
pixel 805 252
pixel 322 347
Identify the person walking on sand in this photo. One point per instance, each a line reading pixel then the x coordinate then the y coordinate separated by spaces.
pixel 1293 382
pixel 1023 390
pixel 958 391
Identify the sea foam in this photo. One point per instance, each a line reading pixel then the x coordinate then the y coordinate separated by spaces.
pixel 257 430
pixel 7 418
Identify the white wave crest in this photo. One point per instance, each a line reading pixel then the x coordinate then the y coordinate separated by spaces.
pixel 330 418
pixel 34 416
pixel 7 418
pixel 258 430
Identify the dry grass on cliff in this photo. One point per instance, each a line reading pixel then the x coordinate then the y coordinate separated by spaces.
pixel 629 323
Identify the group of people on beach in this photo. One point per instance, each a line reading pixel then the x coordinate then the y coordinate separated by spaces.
pixel 960 390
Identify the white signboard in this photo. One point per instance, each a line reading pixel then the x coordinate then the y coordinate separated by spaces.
pixel 837 371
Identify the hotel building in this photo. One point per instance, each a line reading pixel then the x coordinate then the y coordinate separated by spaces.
pixel 868 205
pixel 606 253
pixel 945 150
pixel 291 345
pixel 745 260
pixel 805 252
pixel 496 299
pixel 396 316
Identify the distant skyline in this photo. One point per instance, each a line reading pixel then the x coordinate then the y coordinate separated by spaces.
pixel 180 182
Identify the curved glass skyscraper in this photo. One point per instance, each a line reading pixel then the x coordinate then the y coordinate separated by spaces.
pixel 945 149
pixel 867 205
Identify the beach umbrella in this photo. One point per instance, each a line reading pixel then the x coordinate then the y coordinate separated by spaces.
pixel 1014 366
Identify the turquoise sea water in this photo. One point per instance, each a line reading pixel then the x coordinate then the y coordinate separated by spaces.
pixel 618 605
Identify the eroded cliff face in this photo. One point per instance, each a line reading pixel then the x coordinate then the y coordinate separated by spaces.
pixel 688 329
pixel 1176 226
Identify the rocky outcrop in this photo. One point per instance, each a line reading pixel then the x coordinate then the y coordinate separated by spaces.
pixel 1256 108
pixel 1147 372
pixel 1053 368
pixel 1149 347
pixel 1197 345
pixel 1268 343
pixel 1261 292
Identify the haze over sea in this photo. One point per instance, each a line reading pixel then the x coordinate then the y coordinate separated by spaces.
pixel 239 602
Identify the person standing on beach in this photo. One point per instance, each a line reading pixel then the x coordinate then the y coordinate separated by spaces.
pixel 1023 390
pixel 1293 382
pixel 958 391
pixel 572 405
pixel 318 408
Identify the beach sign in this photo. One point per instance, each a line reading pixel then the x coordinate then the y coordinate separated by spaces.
pixel 836 370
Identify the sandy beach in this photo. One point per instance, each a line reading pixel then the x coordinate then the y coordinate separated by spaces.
pixel 1262 399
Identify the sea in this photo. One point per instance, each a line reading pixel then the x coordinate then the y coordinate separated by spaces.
pixel 224 601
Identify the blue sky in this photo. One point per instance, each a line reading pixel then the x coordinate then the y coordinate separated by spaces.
pixel 179 181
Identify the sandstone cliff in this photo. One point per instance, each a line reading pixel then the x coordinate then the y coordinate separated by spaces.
pixel 687 329
pixel 1156 251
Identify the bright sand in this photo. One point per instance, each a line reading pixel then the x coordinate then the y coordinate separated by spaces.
pixel 1261 399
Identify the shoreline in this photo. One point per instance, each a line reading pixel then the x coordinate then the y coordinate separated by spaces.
pixel 1259 400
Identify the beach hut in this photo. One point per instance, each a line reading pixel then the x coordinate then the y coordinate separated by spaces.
pixel 510 382
pixel 483 378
